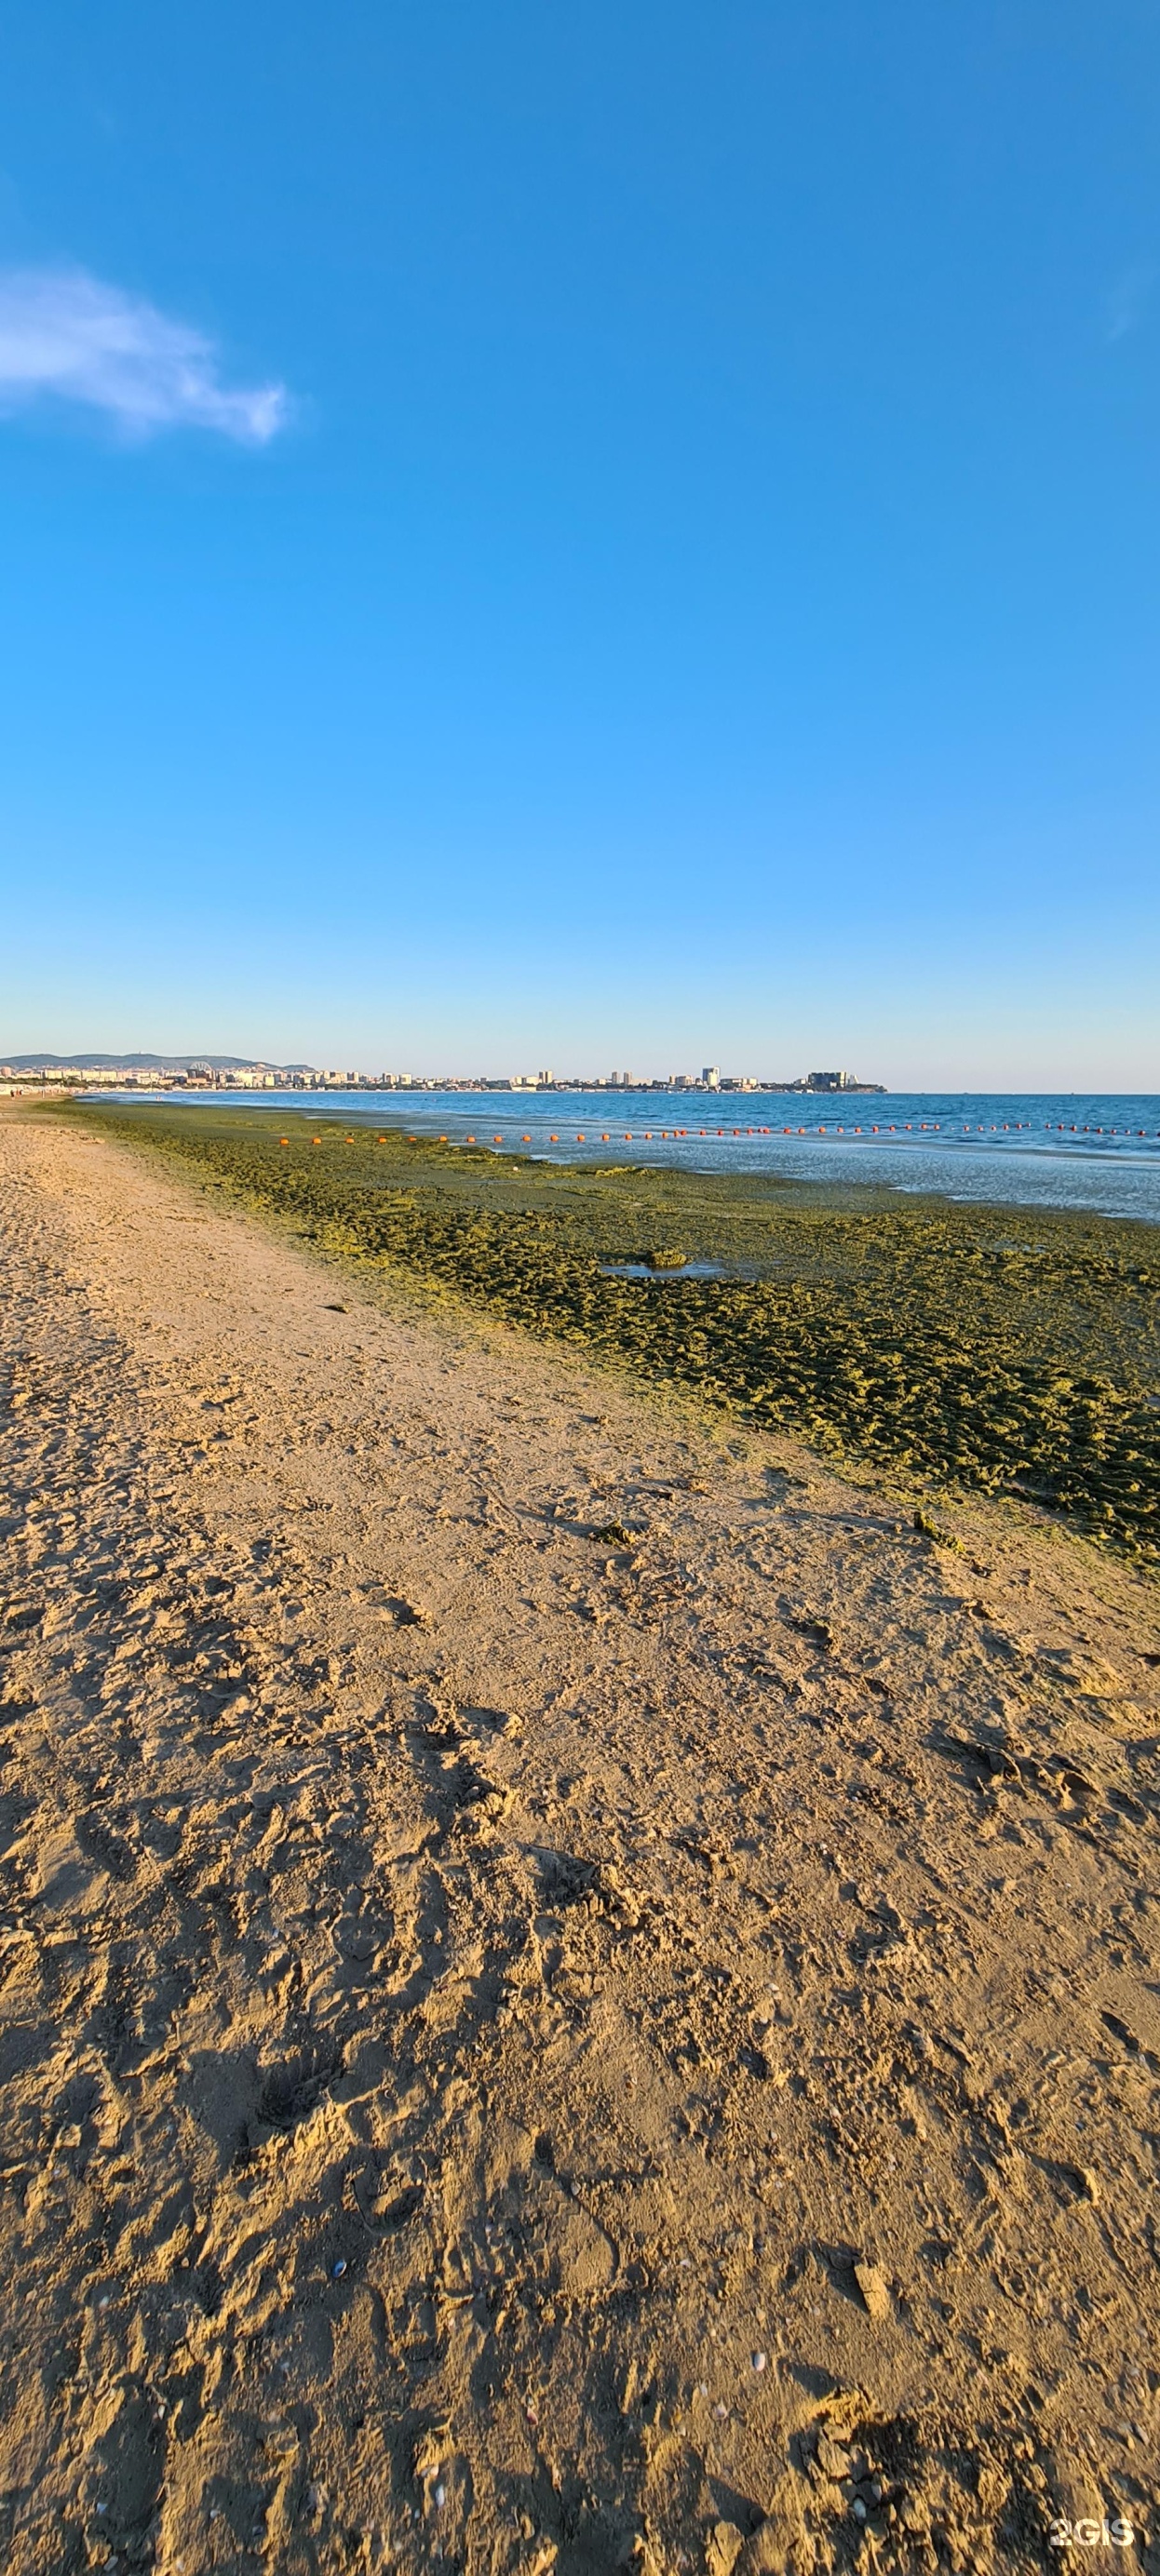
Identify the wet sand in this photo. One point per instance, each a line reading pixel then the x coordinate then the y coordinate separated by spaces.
pixel 578 1993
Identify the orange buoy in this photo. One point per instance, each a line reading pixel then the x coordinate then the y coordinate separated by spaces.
pixel 525 1140
pixel 283 1140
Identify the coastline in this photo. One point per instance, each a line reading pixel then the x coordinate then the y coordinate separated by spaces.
pixel 580 1993
pixel 978 1348
pixel 1095 1155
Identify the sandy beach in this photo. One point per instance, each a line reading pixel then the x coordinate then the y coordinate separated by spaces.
pixel 579 1994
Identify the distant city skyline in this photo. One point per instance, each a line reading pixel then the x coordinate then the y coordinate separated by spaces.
pixel 252 1072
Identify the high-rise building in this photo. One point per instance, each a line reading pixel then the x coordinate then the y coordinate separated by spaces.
pixel 711 1076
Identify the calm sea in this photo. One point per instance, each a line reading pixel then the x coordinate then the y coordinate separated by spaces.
pixel 1099 1151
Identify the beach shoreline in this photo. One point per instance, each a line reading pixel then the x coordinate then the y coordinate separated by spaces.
pixel 1011 1351
pixel 1095 1155
pixel 580 1991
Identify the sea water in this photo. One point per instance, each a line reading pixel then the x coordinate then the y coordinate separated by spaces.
pixel 1092 1151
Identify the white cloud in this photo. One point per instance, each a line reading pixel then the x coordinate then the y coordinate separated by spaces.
pixel 66 334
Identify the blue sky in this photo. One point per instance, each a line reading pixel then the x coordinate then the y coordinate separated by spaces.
pixel 625 534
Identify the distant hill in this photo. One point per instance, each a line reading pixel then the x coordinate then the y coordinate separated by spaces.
pixel 87 1059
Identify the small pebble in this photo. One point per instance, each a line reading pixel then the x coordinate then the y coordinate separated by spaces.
pixel 759 2361
pixel 338 2270
pixel 859 2510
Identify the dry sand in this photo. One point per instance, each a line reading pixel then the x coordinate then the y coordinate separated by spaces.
pixel 578 1994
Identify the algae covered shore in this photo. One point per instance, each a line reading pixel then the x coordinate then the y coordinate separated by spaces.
pixel 997 1348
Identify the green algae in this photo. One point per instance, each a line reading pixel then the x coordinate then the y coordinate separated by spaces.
pixel 1004 1349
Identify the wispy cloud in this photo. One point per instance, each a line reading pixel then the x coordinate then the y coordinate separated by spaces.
pixel 69 335
pixel 1127 301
